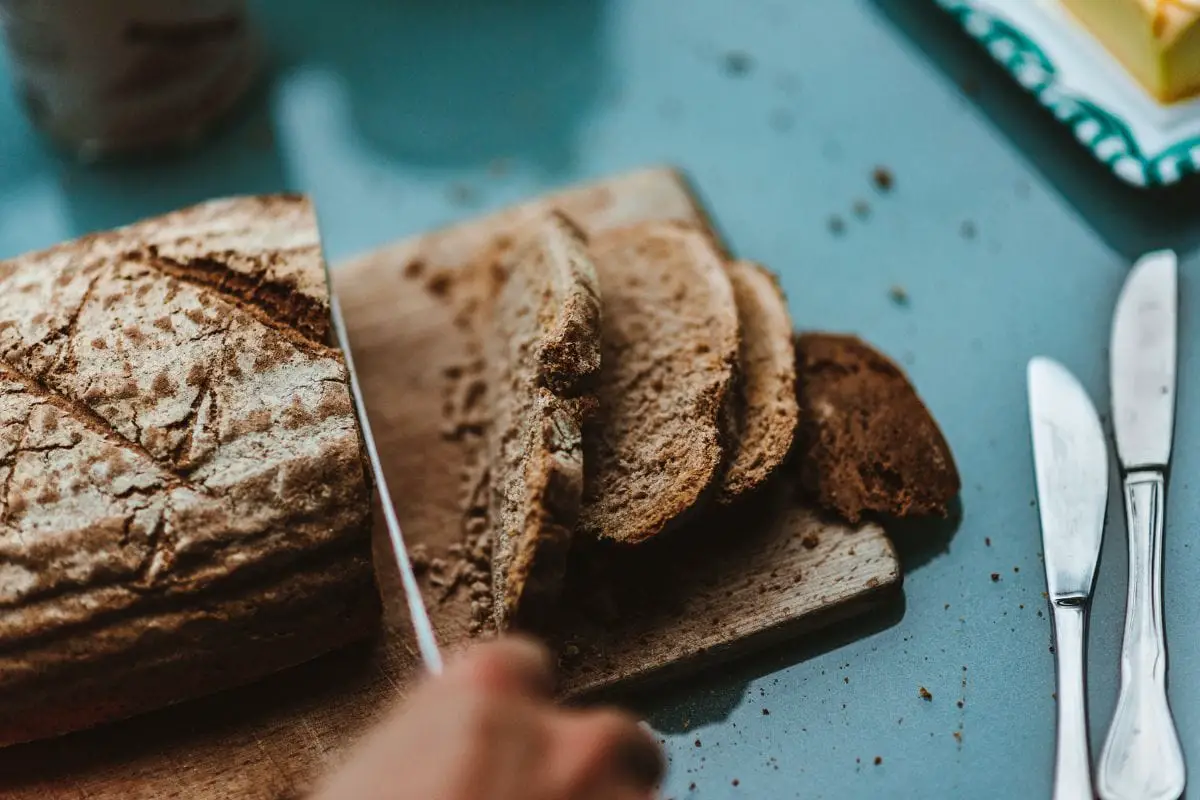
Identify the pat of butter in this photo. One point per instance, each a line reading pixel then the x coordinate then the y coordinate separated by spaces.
pixel 1158 41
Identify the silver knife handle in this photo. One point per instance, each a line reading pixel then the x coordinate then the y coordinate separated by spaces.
pixel 1072 759
pixel 1142 758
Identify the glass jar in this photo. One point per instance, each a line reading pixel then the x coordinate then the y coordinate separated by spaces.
pixel 115 77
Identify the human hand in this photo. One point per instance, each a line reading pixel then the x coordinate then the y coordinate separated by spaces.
pixel 488 730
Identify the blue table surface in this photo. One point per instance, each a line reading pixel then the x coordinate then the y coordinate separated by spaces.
pixel 1009 240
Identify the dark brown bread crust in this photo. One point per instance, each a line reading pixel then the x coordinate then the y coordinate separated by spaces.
pixel 867 444
pixel 765 411
pixel 543 358
pixel 654 452
pixel 181 472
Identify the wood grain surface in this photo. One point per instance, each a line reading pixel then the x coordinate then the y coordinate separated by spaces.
pixel 750 575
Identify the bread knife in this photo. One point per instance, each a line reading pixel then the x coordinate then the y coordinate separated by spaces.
pixel 1142 758
pixel 1070 460
pixel 426 640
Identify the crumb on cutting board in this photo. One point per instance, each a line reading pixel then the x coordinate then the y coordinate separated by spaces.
pixel 924 694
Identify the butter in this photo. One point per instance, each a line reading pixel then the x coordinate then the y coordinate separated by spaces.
pixel 1158 41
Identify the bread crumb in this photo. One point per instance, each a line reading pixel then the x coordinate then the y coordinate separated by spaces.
pixel 959 704
pixel 987 541
pixel 878 760
pixel 883 179
pixel 958 736
pixel 924 694
pixel 781 120
pixel 735 781
pixel 439 285
pixel 766 712
pixel 899 295
pixel 995 577
pixel 738 64
pixel 462 194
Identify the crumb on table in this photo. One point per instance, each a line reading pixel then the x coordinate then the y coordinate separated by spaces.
pixel 738 63
pixel 924 694
pixel 883 179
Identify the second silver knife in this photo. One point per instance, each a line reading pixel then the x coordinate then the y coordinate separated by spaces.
pixel 1142 758
pixel 1070 461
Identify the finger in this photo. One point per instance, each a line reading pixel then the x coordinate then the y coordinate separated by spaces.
pixel 605 750
pixel 511 665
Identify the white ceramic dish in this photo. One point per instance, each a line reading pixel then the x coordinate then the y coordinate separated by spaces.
pixel 1144 142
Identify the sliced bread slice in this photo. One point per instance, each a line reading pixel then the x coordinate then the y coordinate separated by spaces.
pixel 656 446
pixel 765 409
pixel 543 357
pixel 868 445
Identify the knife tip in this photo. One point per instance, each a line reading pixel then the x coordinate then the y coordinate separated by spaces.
pixel 1042 365
pixel 1161 261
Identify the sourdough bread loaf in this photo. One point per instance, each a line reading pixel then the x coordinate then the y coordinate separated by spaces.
pixel 654 451
pixel 543 350
pixel 765 406
pixel 184 503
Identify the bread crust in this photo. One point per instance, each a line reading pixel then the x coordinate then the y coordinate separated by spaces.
pixel 178 454
pixel 544 358
pixel 766 411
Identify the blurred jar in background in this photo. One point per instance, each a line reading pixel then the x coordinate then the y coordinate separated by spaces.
pixel 116 77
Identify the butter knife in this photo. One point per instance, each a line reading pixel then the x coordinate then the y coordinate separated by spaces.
pixel 1070 460
pixel 1142 758
pixel 427 644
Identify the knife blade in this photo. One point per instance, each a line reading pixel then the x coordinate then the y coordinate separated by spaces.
pixel 427 644
pixel 1071 466
pixel 1142 758
pixel 1143 363
pixel 1070 460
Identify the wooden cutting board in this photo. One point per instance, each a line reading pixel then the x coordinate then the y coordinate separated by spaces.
pixel 750 576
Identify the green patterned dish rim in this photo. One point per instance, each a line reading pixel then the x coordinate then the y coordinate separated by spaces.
pixel 1108 136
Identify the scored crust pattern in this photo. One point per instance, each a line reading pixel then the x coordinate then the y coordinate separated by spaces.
pixel 172 421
